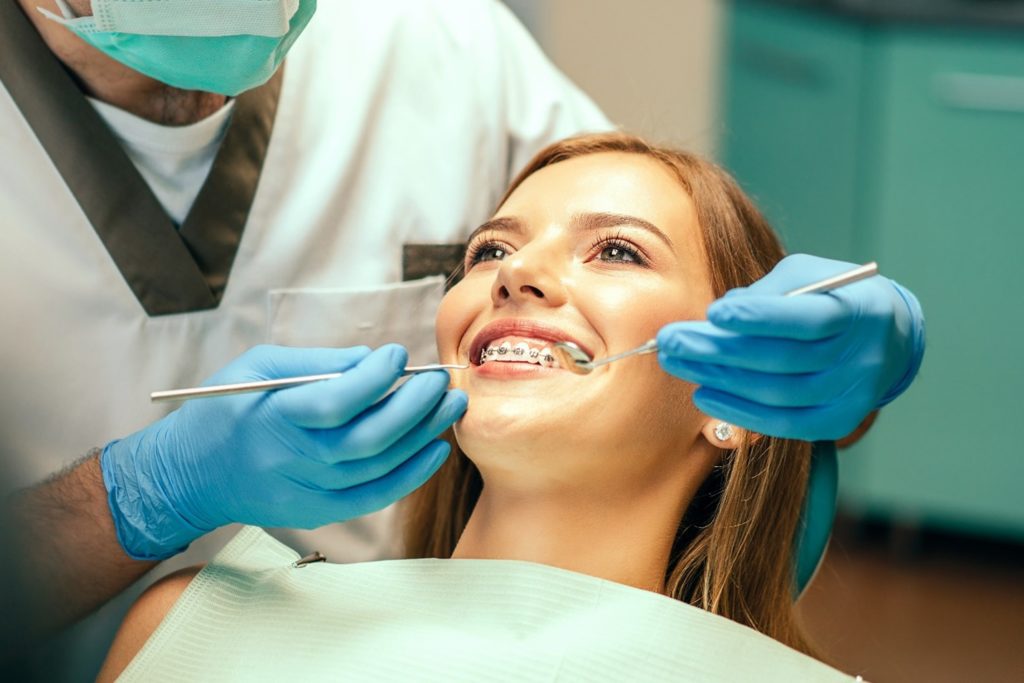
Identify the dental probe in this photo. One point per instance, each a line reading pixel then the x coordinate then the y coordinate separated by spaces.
pixel 576 360
pixel 272 384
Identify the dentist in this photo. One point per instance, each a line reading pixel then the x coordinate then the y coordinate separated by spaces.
pixel 184 180
pixel 176 191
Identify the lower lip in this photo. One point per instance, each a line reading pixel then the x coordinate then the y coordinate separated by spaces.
pixel 512 370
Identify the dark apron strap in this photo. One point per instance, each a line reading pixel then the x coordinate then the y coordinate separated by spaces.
pixel 168 271
pixel 213 227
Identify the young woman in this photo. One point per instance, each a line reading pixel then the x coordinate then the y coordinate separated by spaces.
pixel 586 518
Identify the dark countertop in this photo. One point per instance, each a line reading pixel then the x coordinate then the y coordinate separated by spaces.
pixel 993 13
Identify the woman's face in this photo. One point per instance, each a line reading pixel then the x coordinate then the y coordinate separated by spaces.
pixel 601 250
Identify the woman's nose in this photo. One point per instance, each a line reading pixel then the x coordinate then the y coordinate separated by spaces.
pixel 529 275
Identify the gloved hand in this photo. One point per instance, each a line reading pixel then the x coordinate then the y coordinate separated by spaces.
pixel 809 367
pixel 299 457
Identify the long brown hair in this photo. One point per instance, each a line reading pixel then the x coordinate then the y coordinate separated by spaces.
pixel 733 552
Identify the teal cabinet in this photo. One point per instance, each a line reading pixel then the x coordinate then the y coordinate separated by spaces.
pixel 791 130
pixel 906 147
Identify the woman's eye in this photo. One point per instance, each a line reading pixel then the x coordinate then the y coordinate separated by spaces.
pixel 619 254
pixel 487 252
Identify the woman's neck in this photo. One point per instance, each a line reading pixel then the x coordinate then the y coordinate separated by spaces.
pixel 622 536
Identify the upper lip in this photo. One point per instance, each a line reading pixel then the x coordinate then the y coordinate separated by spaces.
pixel 519 327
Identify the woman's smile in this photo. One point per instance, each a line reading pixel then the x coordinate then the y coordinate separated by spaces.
pixel 518 348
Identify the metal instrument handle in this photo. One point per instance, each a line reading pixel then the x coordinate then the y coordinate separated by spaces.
pixel 272 384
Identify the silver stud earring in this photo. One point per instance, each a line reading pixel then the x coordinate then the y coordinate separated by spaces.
pixel 723 431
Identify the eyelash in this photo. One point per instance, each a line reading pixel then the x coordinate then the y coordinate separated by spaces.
pixel 475 251
pixel 618 242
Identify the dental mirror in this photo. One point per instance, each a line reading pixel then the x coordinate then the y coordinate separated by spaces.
pixel 574 359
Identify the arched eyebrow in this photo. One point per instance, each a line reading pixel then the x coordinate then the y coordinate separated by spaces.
pixel 580 221
pixel 597 221
pixel 503 224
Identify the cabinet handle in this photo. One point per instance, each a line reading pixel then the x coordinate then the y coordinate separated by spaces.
pixel 980 92
pixel 780 64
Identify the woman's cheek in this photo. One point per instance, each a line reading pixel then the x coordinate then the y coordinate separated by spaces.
pixel 459 307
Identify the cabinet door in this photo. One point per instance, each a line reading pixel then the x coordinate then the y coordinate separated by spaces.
pixel 792 104
pixel 946 217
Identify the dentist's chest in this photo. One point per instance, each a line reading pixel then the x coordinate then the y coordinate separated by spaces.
pixel 373 180
pixel 341 251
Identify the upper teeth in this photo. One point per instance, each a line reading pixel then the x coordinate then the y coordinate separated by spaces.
pixel 521 352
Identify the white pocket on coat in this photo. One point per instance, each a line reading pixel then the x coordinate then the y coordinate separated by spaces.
pixel 403 313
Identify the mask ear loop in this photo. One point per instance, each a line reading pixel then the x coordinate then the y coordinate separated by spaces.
pixel 70 20
pixel 268 20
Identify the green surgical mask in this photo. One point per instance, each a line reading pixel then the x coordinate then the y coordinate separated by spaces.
pixel 221 46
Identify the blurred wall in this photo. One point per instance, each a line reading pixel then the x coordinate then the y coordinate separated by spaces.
pixel 652 65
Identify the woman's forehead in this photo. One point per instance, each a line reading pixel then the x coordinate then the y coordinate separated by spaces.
pixel 612 183
pixel 606 182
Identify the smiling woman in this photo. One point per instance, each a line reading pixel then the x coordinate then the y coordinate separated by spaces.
pixel 601 240
pixel 582 520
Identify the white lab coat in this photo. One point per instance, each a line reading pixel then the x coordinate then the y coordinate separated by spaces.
pixel 399 122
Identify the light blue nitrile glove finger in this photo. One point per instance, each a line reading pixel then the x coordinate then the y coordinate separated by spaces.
pixel 810 367
pixel 300 457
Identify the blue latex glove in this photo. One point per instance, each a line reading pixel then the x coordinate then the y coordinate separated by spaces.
pixel 298 457
pixel 807 367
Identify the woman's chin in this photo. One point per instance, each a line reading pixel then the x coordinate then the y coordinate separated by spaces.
pixel 501 422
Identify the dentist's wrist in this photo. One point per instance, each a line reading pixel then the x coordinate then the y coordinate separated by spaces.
pixel 147 525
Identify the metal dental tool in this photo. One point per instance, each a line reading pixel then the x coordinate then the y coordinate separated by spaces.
pixel 272 384
pixel 576 360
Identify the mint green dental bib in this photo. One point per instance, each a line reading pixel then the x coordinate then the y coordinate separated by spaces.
pixel 252 616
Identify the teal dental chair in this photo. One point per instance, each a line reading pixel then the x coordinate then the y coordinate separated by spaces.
pixel 818 514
